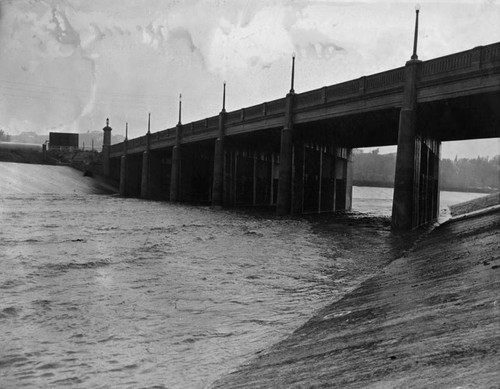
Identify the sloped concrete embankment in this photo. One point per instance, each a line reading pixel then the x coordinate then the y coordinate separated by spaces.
pixel 475 205
pixel 431 319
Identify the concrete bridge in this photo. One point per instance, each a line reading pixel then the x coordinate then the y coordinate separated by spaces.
pixel 294 153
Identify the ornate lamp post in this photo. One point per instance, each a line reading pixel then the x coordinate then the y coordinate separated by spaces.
pixel 180 107
pixel 415 37
pixel 224 97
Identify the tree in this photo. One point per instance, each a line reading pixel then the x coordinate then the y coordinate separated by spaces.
pixel 4 136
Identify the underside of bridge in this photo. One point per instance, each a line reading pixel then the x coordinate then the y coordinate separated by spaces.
pixel 461 118
pixel 366 129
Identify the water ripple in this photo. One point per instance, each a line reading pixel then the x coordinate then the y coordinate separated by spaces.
pixel 164 295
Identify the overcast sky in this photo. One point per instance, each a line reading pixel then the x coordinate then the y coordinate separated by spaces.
pixel 66 65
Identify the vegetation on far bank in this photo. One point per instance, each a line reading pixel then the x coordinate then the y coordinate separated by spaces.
pixel 468 175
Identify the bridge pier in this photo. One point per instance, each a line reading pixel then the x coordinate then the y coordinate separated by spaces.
pixel 218 175
pixel 145 175
pixel 175 175
pixel 146 169
pixel 123 175
pixel 416 191
pixel 284 201
pixel 106 143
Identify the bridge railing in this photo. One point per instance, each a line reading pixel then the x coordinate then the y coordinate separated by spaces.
pixel 275 107
pixel 234 116
pixel 136 142
pixel 116 148
pixel 254 112
pixel 446 64
pixel 201 126
pixel 385 80
pixel 490 53
pixel 342 90
pixel 463 61
pixel 309 99
pixel 169 133
pixel 212 123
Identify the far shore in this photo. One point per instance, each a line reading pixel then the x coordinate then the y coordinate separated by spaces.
pixel 384 184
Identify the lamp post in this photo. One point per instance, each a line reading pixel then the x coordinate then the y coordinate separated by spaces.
pixel 293 73
pixel 180 107
pixel 415 37
pixel 224 97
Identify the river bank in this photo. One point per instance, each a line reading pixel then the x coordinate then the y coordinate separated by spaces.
pixel 442 187
pixel 430 319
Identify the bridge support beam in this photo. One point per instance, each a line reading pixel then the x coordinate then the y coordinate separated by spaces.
pixel 284 201
pixel 416 193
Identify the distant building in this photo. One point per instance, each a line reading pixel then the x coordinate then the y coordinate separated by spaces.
pixel 63 141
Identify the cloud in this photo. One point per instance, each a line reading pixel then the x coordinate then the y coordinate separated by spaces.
pixel 73 63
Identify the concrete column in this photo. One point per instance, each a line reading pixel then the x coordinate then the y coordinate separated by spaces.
pixel 218 180
pixel 343 180
pixel 124 166
pixel 123 176
pixel 435 187
pixel 175 176
pixel 320 177
pixel 146 165
pixel 271 195
pixel 254 179
pixel 284 201
pixel 235 176
pixel 145 175
pixel 348 181
pixel 403 205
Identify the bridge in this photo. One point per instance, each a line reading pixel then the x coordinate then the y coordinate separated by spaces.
pixel 294 153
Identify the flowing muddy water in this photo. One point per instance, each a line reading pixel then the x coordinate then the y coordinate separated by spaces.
pixel 98 291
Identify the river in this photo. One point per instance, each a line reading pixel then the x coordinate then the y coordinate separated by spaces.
pixel 97 291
